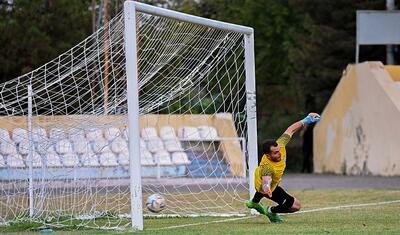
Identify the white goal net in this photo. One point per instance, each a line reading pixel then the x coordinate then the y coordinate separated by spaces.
pixel 64 158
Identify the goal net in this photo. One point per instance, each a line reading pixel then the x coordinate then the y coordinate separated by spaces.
pixel 64 158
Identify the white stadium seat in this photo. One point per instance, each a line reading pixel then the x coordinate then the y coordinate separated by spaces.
pixel 180 158
pixel 23 147
pixel 15 161
pixel 112 133
pixel 125 134
pixel 94 134
pixel 53 160
pixel 39 134
pixel 43 147
pixel 189 133
pixel 163 157
pixel 173 145
pixel 155 145
pixel 90 159
pixel 100 146
pixel 57 133
pixel 167 133
pixel 19 134
pixel 8 148
pixel 36 159
pixel 149 133
pixel 63 146
pixel 123 158
pixel 146 158
pixel 4 135
pixel 2 162
pixel 143 144
pixel 119 145
pixel 81 145
pixel 108 159
pixel 76 133
pixel 70 160
pixel 208 133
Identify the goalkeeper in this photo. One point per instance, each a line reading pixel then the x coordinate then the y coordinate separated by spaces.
pixel 269 173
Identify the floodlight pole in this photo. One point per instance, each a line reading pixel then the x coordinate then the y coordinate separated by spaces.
pixel 133 115
pixel 251 109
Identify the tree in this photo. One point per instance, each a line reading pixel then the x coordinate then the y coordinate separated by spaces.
pixel 34 32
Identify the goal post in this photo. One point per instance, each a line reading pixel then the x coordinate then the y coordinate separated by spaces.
pixel 133 114
pixel 131 8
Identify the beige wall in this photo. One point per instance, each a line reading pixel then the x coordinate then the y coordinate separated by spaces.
pixel 359 131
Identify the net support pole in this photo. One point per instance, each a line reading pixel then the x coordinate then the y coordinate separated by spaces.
pixel 30 154
pixel 251 109
pixel 133 115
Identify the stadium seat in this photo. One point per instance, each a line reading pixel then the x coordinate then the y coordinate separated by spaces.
pixel 146 158
pixel 94 134
pixel 149 133
pixel 167 133
pixel 155 145
pixel 19 134
pixel 163 157
pixel 39 134
pixel 70 160
pixel 76 133
pixel 119 145
pixel 43 147
pixel 36 159
pixel 8 148
pixel 208 133
pixel 123 158
pixel 63 146
pixel 23 147
pixel 53 160
pixel 108 159
pixel 124 132
pixel 90 159
pixel 179 158
pixel 143 144
pixel 112 133
pixel 4 135
pixel 15 161
pixel 100 146
pixel 2 162
pixel 173 145
pixel 189 133
pixel 57 133
pixel 80 145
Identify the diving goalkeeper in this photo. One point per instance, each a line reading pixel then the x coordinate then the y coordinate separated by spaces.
pixel 269 173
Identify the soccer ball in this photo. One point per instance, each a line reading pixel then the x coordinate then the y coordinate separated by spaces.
pixel 155 203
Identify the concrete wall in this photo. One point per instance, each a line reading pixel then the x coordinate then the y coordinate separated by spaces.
pixel 359 132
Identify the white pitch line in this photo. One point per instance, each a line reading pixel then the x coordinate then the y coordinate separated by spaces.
pixel 300 212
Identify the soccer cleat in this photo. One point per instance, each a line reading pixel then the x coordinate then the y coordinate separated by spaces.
pixel 257 206
pixel 273 217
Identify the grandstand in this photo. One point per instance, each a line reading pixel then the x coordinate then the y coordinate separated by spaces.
pixel 167 149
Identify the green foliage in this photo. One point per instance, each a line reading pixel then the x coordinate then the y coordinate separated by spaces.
pixel 325 45
pixel 34 32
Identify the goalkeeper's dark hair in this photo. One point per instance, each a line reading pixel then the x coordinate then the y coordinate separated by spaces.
pixel 266 147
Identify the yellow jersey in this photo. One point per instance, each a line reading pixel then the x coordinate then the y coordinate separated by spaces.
pixel 271 168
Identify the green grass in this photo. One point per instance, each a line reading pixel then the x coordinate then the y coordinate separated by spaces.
pixel 374 219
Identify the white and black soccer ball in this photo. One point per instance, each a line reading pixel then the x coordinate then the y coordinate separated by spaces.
pixel 155 203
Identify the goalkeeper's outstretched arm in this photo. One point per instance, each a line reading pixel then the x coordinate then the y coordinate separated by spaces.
pixel 311 117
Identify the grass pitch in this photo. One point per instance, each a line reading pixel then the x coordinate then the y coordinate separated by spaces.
pixel 324 212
